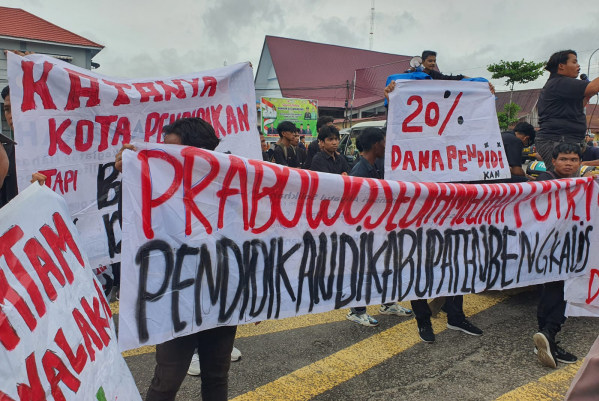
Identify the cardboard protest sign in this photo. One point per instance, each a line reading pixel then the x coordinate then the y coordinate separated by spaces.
pixel 582 293
pixel 57 338
pixel 443 131
pixel 70 122
pixel 213 239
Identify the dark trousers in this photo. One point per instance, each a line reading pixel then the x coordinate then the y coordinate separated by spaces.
pixel 552 308
pixel 454 307
pixel 173 358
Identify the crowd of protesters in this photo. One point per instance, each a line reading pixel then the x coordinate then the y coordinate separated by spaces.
pixel 561 142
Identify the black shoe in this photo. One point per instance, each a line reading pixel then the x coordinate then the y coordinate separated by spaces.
pixel 466 327
pixel 546 349
pixel 562 355
pixel 425 330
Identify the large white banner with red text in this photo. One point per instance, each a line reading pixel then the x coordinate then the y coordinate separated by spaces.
pixel 213 239
pixel 70 122
pixel 443 131
pixel 57 338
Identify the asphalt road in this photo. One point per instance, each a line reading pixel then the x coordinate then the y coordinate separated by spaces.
pixel 325 357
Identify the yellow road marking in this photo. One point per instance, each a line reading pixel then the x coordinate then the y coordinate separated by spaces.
pixel 271 326
pixel 312 380
pixel 548 388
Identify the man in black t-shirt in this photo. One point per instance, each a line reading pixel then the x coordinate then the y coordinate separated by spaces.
pixel 328 160
pixel 514 143
pixel 284 152
pixel 314 146
pixel 561 105
pixel 566 161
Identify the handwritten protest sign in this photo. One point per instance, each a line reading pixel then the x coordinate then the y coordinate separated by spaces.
pixel 582 293
pixel 70 122
pixel 213 239
pixel 443 131
pixel 57 338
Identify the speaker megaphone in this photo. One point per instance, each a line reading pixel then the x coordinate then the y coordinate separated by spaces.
pixel 416 62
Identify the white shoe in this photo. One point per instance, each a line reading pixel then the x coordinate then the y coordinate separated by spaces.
pixel 235 355
pixel 395 309
pixel 364 319
pixel 194 366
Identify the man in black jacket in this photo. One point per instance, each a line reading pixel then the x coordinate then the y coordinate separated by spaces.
pixel 566 162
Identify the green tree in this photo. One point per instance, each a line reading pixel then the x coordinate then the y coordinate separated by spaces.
pixel 515 72
pixel 509 116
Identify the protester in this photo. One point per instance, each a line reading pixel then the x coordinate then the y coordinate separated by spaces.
pixel 267 152
pixel 371 144
pixel 284 152
pixel 299 150
pixel 302 143
pixel 314 146
pixel 513 144
pixel 453 305
pixel 566 161
pixel 8 168
pixel 590 153
pixel 214 346
pixel 328 160
pixel 561 105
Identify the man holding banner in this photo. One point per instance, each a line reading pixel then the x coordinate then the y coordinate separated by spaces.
pixel 566 161
pixel 8 171
pixel 214 346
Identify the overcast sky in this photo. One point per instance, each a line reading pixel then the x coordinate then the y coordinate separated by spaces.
pixel 151 38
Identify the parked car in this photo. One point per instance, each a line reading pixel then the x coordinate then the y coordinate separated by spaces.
pixel 347 145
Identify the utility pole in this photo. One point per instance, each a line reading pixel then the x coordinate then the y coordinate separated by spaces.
pixel 371 24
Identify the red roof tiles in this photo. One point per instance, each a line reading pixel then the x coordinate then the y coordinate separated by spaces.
pixel 18 23
pixel 320 71
pixel 526 99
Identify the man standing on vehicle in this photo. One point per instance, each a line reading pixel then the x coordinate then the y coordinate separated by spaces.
pixel 561 105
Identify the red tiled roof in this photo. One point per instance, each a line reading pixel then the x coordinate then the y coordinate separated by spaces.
pixel 526 99
pixel 18 23
pixel 320 71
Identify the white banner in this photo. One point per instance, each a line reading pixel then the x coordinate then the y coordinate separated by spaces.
pixel 213 239
pixel 57 338
pixel 582 293
pixel 70 122
pixel 443 131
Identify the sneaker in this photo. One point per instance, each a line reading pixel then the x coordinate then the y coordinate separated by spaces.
pixel 235 355
pixel 426 333
pixel 561 355
pixel 466 327
pixel 395 309
pixel 364 319
pixel 545 349
pixel 194 366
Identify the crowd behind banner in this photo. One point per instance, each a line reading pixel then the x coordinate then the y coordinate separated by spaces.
pixel 239 240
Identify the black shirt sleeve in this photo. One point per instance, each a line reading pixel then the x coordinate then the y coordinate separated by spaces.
pixel 513 149
pixel 442 77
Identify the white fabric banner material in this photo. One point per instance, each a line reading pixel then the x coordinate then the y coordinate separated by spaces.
pixel 70 122
pixel 213 239
pixel 57 338
pixel 443 131
pixel 582 293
